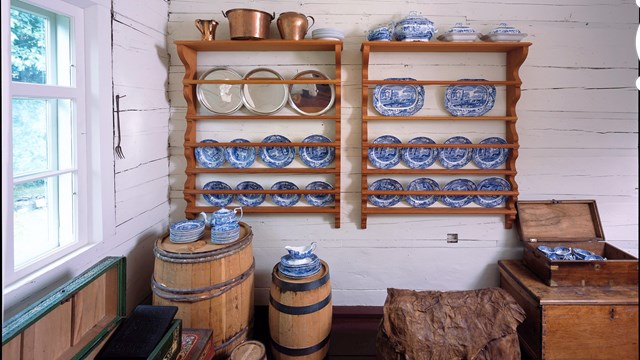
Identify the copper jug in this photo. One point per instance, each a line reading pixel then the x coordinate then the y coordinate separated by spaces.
pixel 207 28
pixel 293 25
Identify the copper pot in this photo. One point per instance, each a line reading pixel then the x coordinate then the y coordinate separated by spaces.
pixel 248 24
pixel 293 25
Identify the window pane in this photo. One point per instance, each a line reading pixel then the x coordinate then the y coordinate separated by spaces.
pixel 42 135
pixel 40 45
pixel 44 217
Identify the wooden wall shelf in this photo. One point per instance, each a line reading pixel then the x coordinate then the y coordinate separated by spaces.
pixel 188 53
pixel 516 53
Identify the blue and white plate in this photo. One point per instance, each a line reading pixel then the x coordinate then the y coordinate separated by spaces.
pixel 277 156
pixel 250 199
pixel 469 100
pixel 398 99
pixel 456 201
pixel 299 268
pixel 419 157
pixel 209 156
pixel 422 184
pixel 490 158
pixel 385 185
pixel 285 199
pixel 317 156
pixel 385 157
pixel 186 231
pixel 454 157
pixel 319 199
pixel 492 184
pixel 240 156
pixel 221 199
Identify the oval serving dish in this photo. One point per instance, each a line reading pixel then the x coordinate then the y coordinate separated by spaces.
pixel 398 99
pixel 469 100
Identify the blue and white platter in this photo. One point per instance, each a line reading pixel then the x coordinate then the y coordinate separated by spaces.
pixel 317 156
pixel 385 185
pixel 490 158
pixel 454 157
pixel 299 268
pixel 456 201
pixel 240 156
pixel 319 199
pixel 285 199
pixel 250 199
pixel 217 199
pixel 225 236
pixel 422 184
pixel 385 157
pixel 419 157
pixel 398 99
pixel 492 184
pixel 277 156
pixel 209 156
pixel 469 100
pixel 186 231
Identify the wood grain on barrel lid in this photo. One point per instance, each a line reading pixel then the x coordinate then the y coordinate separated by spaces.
pixel 249 350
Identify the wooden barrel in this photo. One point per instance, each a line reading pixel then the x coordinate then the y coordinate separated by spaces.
pixel 300 313
pixel 249 350
pixel 212 286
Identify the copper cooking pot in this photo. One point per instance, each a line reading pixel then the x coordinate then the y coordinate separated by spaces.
pixel 248 24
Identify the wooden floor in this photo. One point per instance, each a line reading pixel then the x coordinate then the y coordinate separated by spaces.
pixel 353 331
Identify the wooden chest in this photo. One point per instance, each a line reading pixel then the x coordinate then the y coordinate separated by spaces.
pixel 76 320
pixel 572 322
pixel 573 224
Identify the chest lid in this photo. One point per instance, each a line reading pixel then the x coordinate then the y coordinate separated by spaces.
pixel 559 220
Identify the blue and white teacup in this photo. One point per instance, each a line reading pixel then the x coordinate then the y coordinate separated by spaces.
pixel 594 257
pixel 581 254
pixel 562 250
pixel 546 249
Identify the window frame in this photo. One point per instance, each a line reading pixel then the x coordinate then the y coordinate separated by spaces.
pixel 98 162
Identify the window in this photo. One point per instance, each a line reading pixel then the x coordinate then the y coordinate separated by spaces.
pixel 47 129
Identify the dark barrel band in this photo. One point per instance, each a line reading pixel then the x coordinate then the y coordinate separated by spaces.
pixel 300 352
pixel 292 286
pixel 299 310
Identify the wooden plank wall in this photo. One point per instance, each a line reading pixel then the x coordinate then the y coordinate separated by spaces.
pixel 140 68
pixel 578 127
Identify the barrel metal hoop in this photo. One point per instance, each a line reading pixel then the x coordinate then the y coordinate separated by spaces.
pixel 192 258
pixel 289 286
pixel 190 294
pixel 235 337
pixel 300 352
pixel 299 310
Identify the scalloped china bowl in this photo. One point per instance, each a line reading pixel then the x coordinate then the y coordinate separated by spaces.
pixel 414 28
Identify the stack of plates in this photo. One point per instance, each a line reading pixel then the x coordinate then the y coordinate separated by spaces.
pixel 186 231
pixel 299 267
pixel 225 236
pixel 327 34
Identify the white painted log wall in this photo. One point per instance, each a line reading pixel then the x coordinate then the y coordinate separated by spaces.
pixel 578 128
pixel 140 72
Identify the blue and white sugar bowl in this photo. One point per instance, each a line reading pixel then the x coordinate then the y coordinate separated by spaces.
pixel 382 32
pixel 414 28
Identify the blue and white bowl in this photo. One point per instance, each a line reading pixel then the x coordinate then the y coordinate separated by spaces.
pixel 422 184
pixel 240 156
pixel 490 158
pixel 581 253
pixel 285 199
pixel 414 28
pixel 385 185
pixel 319 199
pixel 594 257
pixel 469 100
pixel 317 156
pixel 277 156
pixel 209 156
pixel 385 157
pixel 504 33
pixel 455 157
pixel 503 28
pixel 562 250
pixel 382 32
pixel 299 267
pixel 460 32
pixel 419 157
pixel 456 201
pixel 492 184
pixel 545 249
pixel 220 199
pixel 250 199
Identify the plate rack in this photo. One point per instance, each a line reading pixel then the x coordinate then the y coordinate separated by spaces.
pixel 188 53
pixel 516 53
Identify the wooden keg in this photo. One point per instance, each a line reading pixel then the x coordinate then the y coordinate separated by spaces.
pixel 212 286
pixel 300 313
pixel 249 350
